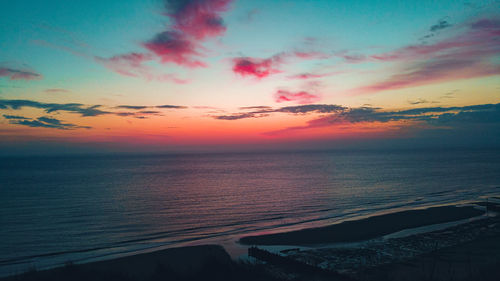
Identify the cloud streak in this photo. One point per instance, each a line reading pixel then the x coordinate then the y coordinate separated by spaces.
pixel 451 117
pixel 133 65
pixel 300 97
pixel 468 55
pixel 42 122
pixel 19 74
pixel 264 67
pixel 263 111
pixel 442 24
pixel 83 110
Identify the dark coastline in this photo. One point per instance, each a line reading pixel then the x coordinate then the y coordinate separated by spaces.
pixel 364 229
pixel 204 262
pixel 212 262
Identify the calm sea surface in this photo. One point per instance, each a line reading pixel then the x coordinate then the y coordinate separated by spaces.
pixel 53 210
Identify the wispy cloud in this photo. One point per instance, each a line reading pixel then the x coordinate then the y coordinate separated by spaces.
pixel 133 65
pixel 13 117
pixel 263 111
pixel 83 110
pixel 442 24
pixel 134 107
pixel 264 67
pixel 434 116
pixel 42 122
pixel 308 75
pixel 56 90
pixel 19 74
pixel 141 107
pixel 433 71
pixel 53 107
pixel 169 106
pixel 300 97
pixel 420 101
pixel 467 55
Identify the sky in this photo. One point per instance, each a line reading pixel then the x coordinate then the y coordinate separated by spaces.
pixel 194 75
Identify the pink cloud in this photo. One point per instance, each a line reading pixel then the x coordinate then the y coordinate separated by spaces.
pixel 467 55
pixel 127 64
pixel 301 97
pixel 18 74
pixel 307 75
pixel 174 47
pixel 193 21
pixel 132 65
pixel 56 90
pixel 198 18
pixel 434 71
pixel 310 55
pixel 259 68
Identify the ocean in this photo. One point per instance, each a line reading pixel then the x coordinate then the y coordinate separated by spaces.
pixel 54 210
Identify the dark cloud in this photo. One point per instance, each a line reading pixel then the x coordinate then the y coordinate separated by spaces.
pixel 316 108
pixel 263 111
pixel 135 107
pixel 249 16
pixel 173 46
pixel 198 18
pixel 43 122
pixel 14 117
pixel 442 24
pixel 53 107
pixel 255 107
pixel 19 74
pixel 169 106
pixel 141 107
pixel 150 112
pixel 83 110
pixel 238 116
pixel 193 22
pixel 487 24
pixel 49 120
pixel 453 117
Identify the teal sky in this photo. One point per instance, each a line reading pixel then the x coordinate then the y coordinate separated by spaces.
pixel 390 55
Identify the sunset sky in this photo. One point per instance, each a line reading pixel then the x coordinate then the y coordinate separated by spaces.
pixel 185 75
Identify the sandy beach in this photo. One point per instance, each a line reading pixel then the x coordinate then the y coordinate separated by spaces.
pixel 364 229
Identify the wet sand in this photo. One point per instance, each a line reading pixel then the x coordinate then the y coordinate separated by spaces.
pixel 364 229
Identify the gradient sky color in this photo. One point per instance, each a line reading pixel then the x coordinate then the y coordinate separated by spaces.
pixel 186 75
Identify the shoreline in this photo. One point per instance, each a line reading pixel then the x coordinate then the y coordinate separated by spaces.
pixel 142 266
pixel 366 228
